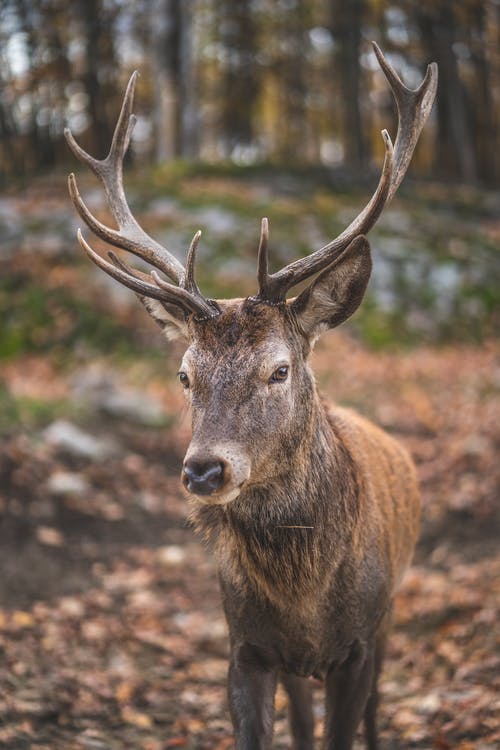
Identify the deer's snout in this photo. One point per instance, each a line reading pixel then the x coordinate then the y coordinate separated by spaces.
pixel 203 477
pixel 217 473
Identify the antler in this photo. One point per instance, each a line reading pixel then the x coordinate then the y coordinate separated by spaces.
pixel 130 236
pixel 414 107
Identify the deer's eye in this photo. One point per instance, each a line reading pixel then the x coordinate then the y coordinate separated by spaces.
pixel 183 378
pixel 279 375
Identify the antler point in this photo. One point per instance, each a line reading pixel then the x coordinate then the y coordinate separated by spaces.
pixel 387 138
pixel 70 140
pixel 83 243
pixel 133 78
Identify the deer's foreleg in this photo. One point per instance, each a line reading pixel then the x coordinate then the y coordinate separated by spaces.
pixel 251 689
pixel 348 686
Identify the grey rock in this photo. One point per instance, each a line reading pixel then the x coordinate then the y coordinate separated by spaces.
pixel 134 406
pixel 71 439
pixel 217 220
pixel 102 392
pixel 67 483
pixel 163 208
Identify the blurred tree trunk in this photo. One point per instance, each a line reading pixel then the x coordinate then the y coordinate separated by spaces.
pixel 8 164
pixel 54 76
pixel 487 141
pixel 100 64
pixel 292 82
pixel 238 36
pixel 346 24
pixel 174 92
pixel 455 153
pixel 32 155
pixel 189 126
pixel 165 30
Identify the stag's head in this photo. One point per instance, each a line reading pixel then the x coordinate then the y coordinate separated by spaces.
pixel 245 370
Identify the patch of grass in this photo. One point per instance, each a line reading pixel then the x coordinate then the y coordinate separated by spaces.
pixel 381 329
pixel 436 261
pixel 29 413
pixel 39 319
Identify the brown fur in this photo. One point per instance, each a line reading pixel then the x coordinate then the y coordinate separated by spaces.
pixel 310 552
pixel 313 515
pixel 344 476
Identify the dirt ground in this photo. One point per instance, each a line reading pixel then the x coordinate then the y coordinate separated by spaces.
pixel 111 630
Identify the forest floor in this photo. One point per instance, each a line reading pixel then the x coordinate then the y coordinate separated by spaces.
pixel 111 629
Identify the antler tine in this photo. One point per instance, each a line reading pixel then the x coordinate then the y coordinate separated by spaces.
pixel 135 280
pixel 202 309
pixel 414 107
pixel 198 305
pixel 277 284
pixel 124 126
pixel 413 110
pixel 117 261
pixel 129 236
pixel 189 281
pixel 106 233
pixel 263 255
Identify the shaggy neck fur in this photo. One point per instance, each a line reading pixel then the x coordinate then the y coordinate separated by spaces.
pixel 275 536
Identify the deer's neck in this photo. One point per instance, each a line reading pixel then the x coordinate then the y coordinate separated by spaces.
pixel 279 534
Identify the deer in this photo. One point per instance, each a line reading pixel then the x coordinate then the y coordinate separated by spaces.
pixel 311 510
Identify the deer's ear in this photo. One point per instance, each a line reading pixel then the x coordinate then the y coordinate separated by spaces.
pixel 337 292
pixel 170 318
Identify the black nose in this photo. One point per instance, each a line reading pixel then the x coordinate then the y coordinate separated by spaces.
pixel 203 477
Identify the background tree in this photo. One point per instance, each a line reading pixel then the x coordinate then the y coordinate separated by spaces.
pixel 290 69
pixel 239 76
pixel 438 25
pixel 174 112
pixel 277 80
pixel 97 20
pixel 346 27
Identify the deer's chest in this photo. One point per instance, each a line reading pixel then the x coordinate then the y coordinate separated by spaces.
pixel 302 637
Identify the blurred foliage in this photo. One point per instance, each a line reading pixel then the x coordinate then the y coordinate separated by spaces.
pixel 436 274
pixel 241 114
pixel 28 412
pixel 286 81
pixel 37 319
